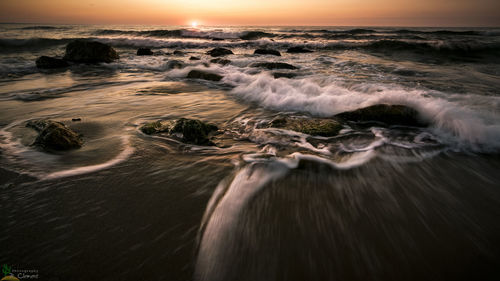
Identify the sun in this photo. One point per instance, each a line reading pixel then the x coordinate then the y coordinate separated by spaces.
pixel 194 24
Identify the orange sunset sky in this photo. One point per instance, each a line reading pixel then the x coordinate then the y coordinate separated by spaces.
pixel 256 12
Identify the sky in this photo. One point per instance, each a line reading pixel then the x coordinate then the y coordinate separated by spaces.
pixel 256 12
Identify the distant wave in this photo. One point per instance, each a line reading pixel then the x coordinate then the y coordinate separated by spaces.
pixel 374 44
pixel 463 48
pixel 357 33
pixel 13 44
pixel 175 33
pixel 42 27
pixel 439 32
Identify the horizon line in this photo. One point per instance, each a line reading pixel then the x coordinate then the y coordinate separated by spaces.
pixel 262 25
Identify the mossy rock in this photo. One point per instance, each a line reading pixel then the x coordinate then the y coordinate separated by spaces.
pixel 314 127
pixel 384 113
pixel 190 130
pixel 194 131
pixel 55 135
pixel 155 128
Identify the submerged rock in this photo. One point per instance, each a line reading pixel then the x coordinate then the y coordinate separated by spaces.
pixel 155 128
pixel 277 75
pixel 89 52
pixel 54 135
pixel 174 64
pixel 179 53
pixel 198 74
pixel 388 114
pixel 220 61
pixel 274 65
pixel 218 52
pixel 267 52
pixel 50 62
pixel 296 50
pixel 194 58
pixel 144 52
pixel 315 127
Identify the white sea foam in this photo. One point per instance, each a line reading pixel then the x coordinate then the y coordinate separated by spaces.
pixel 452 120
pixel 124 155
pixel 35 163
pixel 231 198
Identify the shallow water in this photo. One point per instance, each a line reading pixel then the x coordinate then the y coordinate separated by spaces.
pixel 374 202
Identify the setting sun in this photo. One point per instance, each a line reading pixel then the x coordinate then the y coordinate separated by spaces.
pixel 194 24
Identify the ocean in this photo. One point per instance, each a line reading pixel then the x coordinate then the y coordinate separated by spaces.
pixel 376 201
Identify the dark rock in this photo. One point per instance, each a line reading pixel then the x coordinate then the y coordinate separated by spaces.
pixel 194 58
pixel 144 52
pixel 89 52
pixel 174 64
pixel 217 39
pixel 296 50
pixel 267 52
pixel 220 61
pixel 388 114
pixel 54 135
pixel 284 75
pixel 274 65
pixel 198 74
pixel 314 127
pixel 50 63
pixel 155 128
pixel 252 35
pixel 179 53
pixel 194 131
pixel 76 119
pixel 218 52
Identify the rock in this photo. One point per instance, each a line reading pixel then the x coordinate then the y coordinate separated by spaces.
pixel 174 64
pixel 198 74
pixel 144 52
pixel 217 39
pixel 155 128
pixel 50 62
pixel 296 50
pixel 76 119
pixel 274 65
pixel 218 52
pixel 194 58
pixel 252 35
pixel 284 75
pixel 267 52
pixel 179 53
pixel 54 135
pixel 194 131
pixel 314 127
pixel 89 52
pixel 388 114
pixel 220 61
